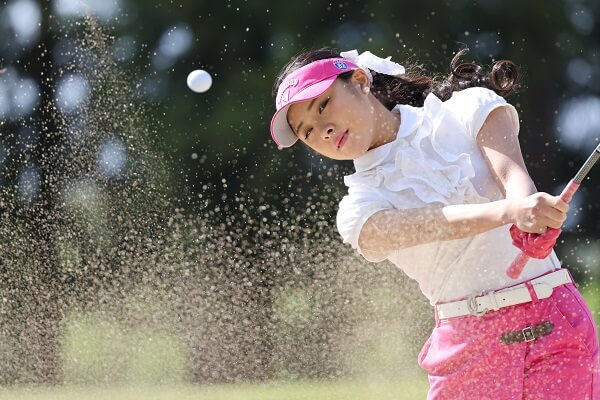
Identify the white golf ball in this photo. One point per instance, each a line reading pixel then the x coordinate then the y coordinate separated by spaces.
pixel 199 81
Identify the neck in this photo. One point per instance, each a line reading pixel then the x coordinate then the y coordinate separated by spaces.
pixel 387 125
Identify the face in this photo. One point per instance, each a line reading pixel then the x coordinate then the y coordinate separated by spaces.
pixel 338 124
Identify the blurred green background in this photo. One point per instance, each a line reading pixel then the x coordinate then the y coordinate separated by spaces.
pixel 150 235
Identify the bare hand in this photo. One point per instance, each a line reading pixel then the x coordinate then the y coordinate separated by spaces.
pixel 537 212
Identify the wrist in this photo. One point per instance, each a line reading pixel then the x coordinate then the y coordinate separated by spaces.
pixel 506 214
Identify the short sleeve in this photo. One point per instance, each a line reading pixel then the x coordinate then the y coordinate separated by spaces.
pixel 473 105
pixel 354 210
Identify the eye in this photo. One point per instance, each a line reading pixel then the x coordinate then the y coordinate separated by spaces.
pixel 323 105
pixel 308 132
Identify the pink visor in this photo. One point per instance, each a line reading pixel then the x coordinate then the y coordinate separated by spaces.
pixel 306 83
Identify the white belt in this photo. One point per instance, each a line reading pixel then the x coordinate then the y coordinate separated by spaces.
pixel 478 305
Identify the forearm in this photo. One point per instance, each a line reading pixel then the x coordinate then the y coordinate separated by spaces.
pixel 395 229
pixel 518 185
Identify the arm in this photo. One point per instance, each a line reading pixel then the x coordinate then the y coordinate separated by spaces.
pixel 396 229
pixel 499 144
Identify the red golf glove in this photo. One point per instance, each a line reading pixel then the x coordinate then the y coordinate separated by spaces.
pixel 535 245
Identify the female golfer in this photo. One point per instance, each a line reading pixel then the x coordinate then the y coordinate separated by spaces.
pixel 441 191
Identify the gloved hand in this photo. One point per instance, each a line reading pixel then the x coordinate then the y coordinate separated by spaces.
pixel 535 245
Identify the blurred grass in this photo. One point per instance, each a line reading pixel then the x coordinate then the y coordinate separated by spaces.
pixel 339 390
pixel 591 293
pixel 97 350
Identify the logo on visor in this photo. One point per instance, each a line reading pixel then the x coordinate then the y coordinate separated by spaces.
pixel 284 96
pixel 340 64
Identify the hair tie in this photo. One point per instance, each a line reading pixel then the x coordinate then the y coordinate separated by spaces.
pixel 368 61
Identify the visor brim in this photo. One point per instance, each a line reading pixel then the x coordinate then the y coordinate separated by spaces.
pixel 281 132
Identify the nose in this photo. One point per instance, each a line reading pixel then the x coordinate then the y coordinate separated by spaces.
pixel 328 131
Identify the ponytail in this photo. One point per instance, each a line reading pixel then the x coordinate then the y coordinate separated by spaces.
pixel 412 88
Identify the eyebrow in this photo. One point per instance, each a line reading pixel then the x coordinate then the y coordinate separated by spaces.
pixel 309 107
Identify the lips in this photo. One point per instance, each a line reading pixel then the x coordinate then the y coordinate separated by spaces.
pixel 341 140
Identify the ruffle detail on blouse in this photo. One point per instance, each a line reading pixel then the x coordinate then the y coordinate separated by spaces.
pixel 416 161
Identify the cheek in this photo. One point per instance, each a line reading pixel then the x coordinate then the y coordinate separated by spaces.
pixel 351 113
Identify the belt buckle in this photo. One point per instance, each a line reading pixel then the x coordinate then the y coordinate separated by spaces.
pixel 473 306
pixel 528 334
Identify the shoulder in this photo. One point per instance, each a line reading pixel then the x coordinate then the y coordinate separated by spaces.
pixel 354 211
pixel 474 96
pixel 359 196
pixel 472 107
pixel 356 206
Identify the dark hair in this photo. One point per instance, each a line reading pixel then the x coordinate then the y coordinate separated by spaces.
pixel 413 87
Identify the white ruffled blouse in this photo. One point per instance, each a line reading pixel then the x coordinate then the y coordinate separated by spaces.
pixel 435 160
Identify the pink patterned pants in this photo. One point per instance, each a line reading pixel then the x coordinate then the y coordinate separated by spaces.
pixel 465 359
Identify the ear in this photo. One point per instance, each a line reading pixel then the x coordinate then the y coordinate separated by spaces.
pixel 360 79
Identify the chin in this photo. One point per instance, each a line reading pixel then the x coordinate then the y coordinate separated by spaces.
pixel 347 155
pixel 338 157
pixel 360 150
